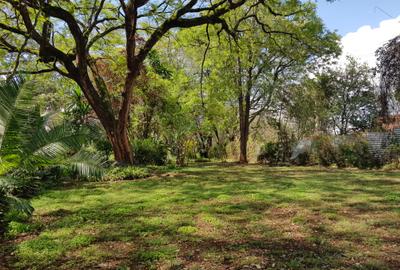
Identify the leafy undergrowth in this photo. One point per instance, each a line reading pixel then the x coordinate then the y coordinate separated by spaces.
pixel 126 173
pixel 132 173
pixel 217 217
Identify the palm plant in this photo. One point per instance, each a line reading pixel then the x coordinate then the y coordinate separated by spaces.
pixel 30 142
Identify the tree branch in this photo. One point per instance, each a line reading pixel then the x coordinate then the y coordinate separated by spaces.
pixel 103 34
pixel 41 71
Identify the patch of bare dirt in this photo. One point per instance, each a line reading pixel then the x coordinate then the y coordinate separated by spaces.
pixel 281 220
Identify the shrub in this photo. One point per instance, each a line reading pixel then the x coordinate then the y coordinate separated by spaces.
pixel 362 157
pixel 355 151
pixel 24 184
pixel 218 151
pixel 345 154
pixel 324 150
pixel 392 166
pixel 392 156
pixel 148 151
pixel 30 148
pixel 126 173
pixel 303 159
pixel 344 151
pixel 10 205
pixel 301 153
pixel 103 146
pixel 269 154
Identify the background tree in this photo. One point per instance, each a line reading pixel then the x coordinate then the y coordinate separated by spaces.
pixel 253 67
pixel 337 100
pixel 351 96
pixel 308 106
pixel 388 57
pixel 70 37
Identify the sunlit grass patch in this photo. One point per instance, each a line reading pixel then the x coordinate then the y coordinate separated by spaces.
pixel 187 230
pixel 349 228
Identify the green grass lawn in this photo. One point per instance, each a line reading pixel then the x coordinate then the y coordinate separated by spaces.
pixel 218 217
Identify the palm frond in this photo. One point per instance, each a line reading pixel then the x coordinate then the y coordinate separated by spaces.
pixel 15 94
pixel 57 140
pixel 22 124
pixel 18 204
pixel 87 164
pixel 50 145
pixel 9 91
pixel 8 184
pixel 18 184
pixel 18 114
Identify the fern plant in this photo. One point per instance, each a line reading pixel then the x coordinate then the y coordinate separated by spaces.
pixel 31 142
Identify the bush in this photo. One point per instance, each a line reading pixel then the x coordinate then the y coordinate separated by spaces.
pixel 324 150
pixel 303 159
pixel 351 151
pixel 345 154
pixel 355 151
pixel 392 166
pixel 148 151
pixel 24 185
pixel 218 151
pixel 269 154
pixel 344 151
pixel 392 156
pixel 103 146
pixel 126 173
pixel 362 157
pixel 301 153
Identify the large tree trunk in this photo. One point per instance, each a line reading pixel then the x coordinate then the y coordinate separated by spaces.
pixel 116 129
pixel 117 134
pixel 121 146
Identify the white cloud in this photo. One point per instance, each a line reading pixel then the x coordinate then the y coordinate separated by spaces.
pixel 363 43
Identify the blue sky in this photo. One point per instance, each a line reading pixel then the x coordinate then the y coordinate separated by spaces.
pixel 349 15
pixel 365 25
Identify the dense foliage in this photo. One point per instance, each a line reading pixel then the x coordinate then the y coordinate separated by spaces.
pixel 269 153
pixel 149 152
pixel 345 151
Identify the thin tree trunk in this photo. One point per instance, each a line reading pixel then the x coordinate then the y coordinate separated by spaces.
pixel 244 112
pixel 244 115
pixel 242 122
pixel 243 134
